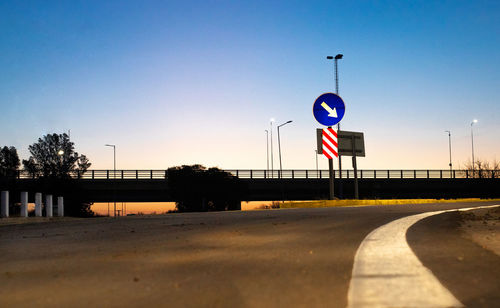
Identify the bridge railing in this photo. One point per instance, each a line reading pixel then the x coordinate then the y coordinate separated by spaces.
pixel 363 174
pixel 285 174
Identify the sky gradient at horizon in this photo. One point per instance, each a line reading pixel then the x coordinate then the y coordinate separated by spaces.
pixel 185 82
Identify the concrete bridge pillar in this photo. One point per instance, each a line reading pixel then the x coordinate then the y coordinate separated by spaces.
pixel 24 204
pixel 4 205
pixel 48 205
pixel 38 204
pixel 60 206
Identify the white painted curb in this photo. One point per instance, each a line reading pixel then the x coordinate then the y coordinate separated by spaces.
pixel 386 272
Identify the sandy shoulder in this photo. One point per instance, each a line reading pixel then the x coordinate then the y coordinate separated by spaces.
pixel 483 227
pixel 34 220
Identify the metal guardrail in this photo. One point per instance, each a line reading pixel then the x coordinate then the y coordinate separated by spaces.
pixel 285 174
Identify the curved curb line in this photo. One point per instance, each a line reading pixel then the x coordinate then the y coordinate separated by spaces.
pixel 386 272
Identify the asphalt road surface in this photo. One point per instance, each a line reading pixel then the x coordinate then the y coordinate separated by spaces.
pixel 271 258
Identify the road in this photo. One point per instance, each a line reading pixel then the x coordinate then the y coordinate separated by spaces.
pixel 272 258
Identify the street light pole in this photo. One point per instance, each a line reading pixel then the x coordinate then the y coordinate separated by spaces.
pixel 267 149
pixel 279 145
pixel 114 176
pixel 472 142
pixel 272 158
pixel 449 143
pixel 316 151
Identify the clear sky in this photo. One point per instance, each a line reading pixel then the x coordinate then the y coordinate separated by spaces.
pixel 184 82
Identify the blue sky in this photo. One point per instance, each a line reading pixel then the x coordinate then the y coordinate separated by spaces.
pixel 189 82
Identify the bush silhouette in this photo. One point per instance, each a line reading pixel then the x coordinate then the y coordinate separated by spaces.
pixel 197 189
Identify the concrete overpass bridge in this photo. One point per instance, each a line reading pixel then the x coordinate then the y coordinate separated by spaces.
pixel 264 185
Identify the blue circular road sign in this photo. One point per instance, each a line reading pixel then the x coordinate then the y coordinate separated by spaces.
pixel 328 109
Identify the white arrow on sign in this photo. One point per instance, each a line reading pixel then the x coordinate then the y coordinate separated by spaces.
pixel 331 112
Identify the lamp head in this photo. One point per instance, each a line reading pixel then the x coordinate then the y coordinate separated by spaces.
pixel 339 56
pixel 329 57
pixel 272 120
pixel 474 121
pixel 60 152
pixel 284 123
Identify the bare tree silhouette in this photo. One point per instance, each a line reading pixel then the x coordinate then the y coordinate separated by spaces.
pixel 483 168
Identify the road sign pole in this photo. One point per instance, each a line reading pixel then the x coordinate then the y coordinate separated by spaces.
pixel 330 166
pixel 328 110
pixel 332 178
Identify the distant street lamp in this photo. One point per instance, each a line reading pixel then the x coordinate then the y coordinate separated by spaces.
pixel 114 157
pixel 267 149
pixel 279 144
pixel 114 175
pixel 272 158
pixel 472 142
pixel 449 143
pixel 60 153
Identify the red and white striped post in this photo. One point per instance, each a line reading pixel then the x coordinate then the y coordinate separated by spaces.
pixel 330 150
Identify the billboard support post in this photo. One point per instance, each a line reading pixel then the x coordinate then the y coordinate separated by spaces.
pixel 356 192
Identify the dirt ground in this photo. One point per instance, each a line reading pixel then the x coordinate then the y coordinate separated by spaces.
pixel 483 227
pixel 273 258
